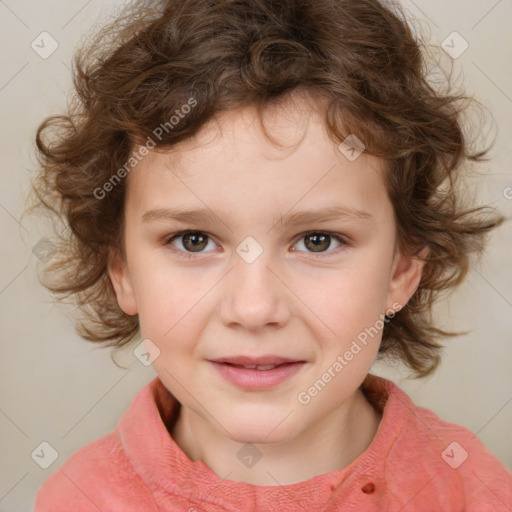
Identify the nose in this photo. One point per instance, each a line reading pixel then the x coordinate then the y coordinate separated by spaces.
pixel 254 296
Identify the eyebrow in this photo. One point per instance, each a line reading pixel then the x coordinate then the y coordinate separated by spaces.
pixel 205 215
pixel 324 215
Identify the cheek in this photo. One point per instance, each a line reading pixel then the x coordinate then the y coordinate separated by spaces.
pixel 172 302
pixel 351 301
pixel 160 292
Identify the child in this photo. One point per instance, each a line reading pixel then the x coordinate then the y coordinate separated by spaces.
pixel 266 193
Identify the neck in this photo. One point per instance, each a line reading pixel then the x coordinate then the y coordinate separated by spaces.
pixel 331 444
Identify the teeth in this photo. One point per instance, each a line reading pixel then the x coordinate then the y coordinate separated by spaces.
pixel 257 366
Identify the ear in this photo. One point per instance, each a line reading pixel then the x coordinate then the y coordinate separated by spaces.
pixel 405 277
pixel 121 281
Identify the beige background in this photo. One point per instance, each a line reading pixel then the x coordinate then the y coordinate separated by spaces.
pixel 62 390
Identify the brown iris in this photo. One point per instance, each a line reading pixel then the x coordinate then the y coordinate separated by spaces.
pixel 198 241
pixel 318 241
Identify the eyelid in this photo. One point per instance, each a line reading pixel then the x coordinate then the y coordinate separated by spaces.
pixel 341 238
pixel 174 236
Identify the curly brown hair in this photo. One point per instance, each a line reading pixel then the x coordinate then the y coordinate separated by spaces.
pixel 358 57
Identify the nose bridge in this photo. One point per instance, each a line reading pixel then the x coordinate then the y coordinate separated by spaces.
pixel 254 297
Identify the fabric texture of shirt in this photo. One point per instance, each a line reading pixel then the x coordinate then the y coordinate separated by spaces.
pixel 416 462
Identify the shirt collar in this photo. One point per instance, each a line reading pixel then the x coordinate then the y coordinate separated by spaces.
pixel 161 463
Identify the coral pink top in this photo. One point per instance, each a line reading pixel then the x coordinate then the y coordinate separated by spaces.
pixel 416 462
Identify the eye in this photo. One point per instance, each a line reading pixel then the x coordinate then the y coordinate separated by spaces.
pixel 190 241
pixel 187 243
pixel 320 241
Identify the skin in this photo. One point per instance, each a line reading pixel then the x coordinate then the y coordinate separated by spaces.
pixel 291 301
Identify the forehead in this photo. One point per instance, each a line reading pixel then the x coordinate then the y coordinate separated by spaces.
pixel 232 164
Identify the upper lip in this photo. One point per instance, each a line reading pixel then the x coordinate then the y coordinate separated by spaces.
pixel 260 360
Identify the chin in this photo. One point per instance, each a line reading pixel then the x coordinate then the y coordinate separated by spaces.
pixel 260 432
pixel 259 438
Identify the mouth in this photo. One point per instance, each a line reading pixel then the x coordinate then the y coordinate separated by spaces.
pixel 263 367
pixel 257 373
pixel 253 362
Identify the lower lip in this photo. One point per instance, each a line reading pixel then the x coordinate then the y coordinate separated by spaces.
pixel 253 379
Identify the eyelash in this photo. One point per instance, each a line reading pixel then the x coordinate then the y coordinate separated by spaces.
pixel 189 255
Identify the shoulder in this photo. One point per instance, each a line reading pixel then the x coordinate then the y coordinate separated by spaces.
pixel 99 476
pixel 119 470
pixel 447 459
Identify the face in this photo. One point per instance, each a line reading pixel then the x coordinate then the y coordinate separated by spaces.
pixel 238 248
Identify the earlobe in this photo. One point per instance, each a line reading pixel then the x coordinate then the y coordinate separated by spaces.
pixel 121 281
pixel 408 269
